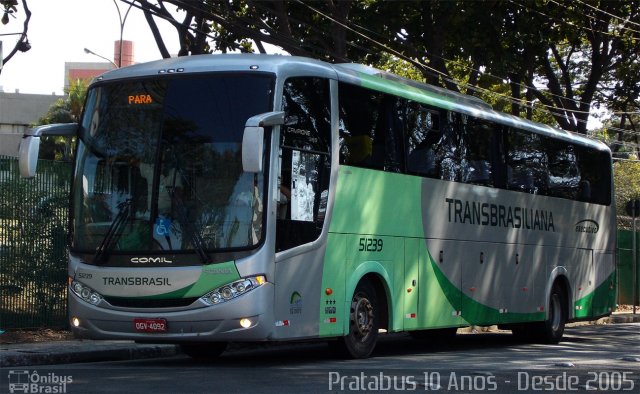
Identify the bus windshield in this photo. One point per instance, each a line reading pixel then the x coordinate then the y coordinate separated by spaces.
pixel 159 165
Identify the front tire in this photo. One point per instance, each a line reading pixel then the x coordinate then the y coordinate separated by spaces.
pixel 364 321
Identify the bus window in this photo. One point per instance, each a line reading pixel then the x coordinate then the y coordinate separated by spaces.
pixel 479 151
pixel 423 137
pixel 595 185
pixel 564 174
pixel 527 163
pixel 448 151
pixel 305 164
pixel 371 129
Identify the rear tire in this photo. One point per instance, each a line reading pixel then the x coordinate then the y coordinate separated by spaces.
pixel 364 321
pixel 207 351
pixel 552 329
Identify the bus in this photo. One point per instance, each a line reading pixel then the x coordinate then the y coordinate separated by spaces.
pixel 222 198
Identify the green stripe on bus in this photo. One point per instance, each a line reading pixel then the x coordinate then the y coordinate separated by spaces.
pixel 211 277
pixel 599 302
pixel 474 312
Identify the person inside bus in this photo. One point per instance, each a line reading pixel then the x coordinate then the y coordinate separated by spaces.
pixel 422 159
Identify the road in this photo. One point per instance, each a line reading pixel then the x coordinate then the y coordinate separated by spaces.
pixel 603 358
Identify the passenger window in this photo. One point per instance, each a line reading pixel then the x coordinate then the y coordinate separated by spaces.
pixel 305 161
pixel 527 163
pixel 564 174
pixel 595 183
pixel 479 151
pixel 423 138
pixel 371 129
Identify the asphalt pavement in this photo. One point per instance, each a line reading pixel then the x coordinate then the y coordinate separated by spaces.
pixel 82 350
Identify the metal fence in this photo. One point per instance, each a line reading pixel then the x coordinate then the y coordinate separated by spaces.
pixel 33 245
pixel 628 270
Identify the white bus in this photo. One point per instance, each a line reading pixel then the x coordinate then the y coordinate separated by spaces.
pixel 223 198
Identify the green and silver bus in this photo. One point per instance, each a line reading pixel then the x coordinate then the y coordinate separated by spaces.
pixel 224 198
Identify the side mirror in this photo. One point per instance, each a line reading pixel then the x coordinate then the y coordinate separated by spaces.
pixel 30 145
pixel 253 139
pixel 28 156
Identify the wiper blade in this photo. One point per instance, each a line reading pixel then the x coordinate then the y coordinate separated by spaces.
pixel 114 232
pixel 190 230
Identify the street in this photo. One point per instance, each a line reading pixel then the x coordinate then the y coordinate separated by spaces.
pixel 595 357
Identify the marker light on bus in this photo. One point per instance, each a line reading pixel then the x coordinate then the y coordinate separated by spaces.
pixel 233 290
pixel 85 292
pixel 245 323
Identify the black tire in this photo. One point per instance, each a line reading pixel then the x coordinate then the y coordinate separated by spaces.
pixel 553 328
pixel 364 321
pixel 207 351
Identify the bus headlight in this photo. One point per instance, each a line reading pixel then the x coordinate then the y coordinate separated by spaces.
pixel 85 292
pixel 233 290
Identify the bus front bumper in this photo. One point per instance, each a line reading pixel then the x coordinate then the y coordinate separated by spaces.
pixel 223 322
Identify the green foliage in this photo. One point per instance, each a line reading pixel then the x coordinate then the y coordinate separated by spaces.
pixel 626 175
pixel 33 247
pixel 66 110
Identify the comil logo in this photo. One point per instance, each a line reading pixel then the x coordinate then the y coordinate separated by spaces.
pixel 152 260
pixel 24 381
pixel 587 226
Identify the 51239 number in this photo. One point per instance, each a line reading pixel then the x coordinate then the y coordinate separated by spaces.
pixel 371 245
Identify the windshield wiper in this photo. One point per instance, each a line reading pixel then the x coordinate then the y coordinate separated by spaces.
pixel 113 233
pixel 192 233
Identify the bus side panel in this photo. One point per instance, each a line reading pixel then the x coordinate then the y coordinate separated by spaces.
pixel 581 275
pixel 440 300
pixel 298 281
pixel 386 262
pixel 605 281
pixel 333 289
pixel 414 264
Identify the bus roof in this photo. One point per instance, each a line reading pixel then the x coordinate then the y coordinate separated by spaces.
pixel 287 66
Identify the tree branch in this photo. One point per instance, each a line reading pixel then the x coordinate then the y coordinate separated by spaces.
pixel 23 36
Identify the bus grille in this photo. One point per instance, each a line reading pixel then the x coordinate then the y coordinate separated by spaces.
pixel 147 303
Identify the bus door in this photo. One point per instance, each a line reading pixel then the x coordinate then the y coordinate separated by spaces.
pixel 303 169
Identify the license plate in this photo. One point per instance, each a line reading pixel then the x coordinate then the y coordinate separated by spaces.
pixel 150 325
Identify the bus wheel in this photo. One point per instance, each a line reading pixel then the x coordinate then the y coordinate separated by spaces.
pixel 552 329
pixel 363 323
pixel 203 351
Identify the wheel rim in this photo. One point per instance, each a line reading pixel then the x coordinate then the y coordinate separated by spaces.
pixel 556 312
pixel 362 318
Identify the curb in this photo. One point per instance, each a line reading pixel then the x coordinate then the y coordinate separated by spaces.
pixel 622 318
pixel 85 354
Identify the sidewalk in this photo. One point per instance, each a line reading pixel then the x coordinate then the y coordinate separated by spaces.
pixel 79 351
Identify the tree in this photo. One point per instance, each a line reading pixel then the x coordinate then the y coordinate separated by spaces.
pixel 627 183
pixel 560 57
pixel 10 8
pixel 65 110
